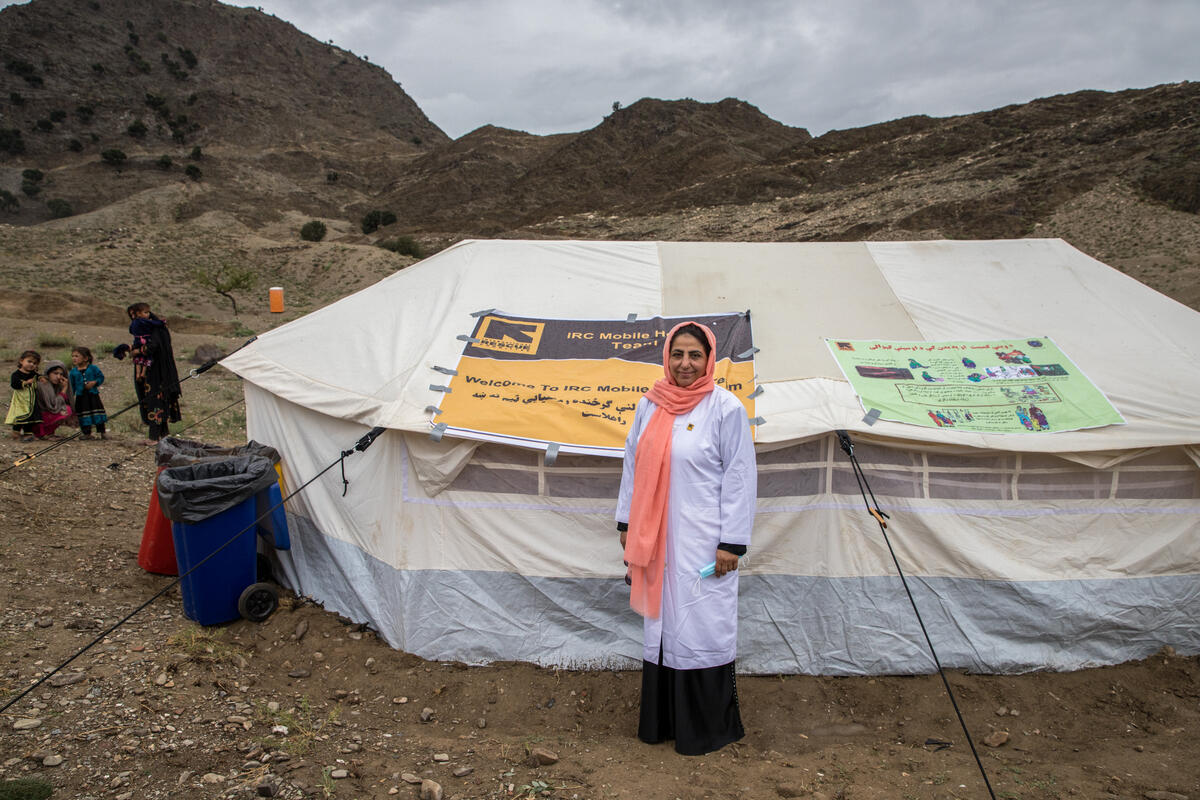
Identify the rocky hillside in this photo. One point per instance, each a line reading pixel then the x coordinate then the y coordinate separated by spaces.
pixel 151 138
pixel 154 79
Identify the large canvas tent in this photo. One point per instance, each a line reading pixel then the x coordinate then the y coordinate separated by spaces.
pixel 1053 551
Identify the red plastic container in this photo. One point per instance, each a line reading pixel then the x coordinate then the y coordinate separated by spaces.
pixel 157 553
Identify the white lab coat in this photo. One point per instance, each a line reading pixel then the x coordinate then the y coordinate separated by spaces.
pixel 714 486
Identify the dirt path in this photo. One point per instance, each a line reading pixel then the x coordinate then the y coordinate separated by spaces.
pixel 310 705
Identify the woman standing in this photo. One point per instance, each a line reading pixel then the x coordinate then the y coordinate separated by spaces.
pixel 687 500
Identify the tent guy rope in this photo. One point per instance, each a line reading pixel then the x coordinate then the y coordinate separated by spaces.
pixel 864 488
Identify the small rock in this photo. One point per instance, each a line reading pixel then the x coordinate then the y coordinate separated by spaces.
pixel 541 757
pixel 393 790
pixel 273 707
pixel 441 758
pixel 408 777
pixel 1139 748
pixel 44 622
pixel 371 665
pixel 161 680
pixel 52 761
pixel 789 790
pixel 318 656
pixel 1012 712
pixel 996 738
pixel 66 679
pixel 212 777
pixel 431 790
pixel 399 700
pixel 26 724
pixel 299 673
pixel 426 714
pixel 207 352
pixel 1159 795
pixel 338 774
pixel 1002 711
pixel 481 722
pixel 280 730
pixel 462 772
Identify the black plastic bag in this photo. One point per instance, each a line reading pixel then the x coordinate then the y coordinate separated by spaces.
pixel 195 492
pixel 173 452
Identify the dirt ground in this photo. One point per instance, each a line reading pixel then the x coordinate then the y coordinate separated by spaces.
pixel 308 704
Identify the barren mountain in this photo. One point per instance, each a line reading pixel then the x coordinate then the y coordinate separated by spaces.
pixel 236 129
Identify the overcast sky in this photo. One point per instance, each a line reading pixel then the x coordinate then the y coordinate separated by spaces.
pixel 552 66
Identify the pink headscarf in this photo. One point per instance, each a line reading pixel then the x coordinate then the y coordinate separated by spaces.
pixel 645 545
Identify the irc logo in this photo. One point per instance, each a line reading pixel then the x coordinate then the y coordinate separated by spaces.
pixel 510 335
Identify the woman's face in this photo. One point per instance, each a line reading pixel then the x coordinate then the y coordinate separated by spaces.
pixel 686 361
pixel 56 376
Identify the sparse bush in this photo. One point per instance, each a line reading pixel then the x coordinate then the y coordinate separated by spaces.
pixel 164 162
pixel 416 140
pixel 192 98
pixel 195 155
pixel 226 279
pixel 44 125
pixel 313 231
pixel 156 101
pixel 331 177
pixel 137 129
pixel 8 201
pixel 374 220
pixel 403 245
pixel 193 172
pixel 11 141
pixel 59 208
pixel 98 68
pixel 16 98
pixel 84 114
pixel 58 115
pixel 113 157
pixel 188 57
pixel 50 341
pixel 32 175
pixel 75 146
pixel 30 189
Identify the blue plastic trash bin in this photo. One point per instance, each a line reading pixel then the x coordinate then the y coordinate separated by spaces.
pixel 210 594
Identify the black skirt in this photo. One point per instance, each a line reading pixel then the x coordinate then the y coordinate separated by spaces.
pixel 698 708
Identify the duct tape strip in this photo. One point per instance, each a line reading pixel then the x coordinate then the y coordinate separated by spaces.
pixel 433 410
pixel 757 391
pixel 631 318
pixel 757 421
pixel 872 416
pixel 445 370
pixel 433 387
pixel 462 337
pixel 438 431
pixel 748 353
pixel 482 313
pixel 551 454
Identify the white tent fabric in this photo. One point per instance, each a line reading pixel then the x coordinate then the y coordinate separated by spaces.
pixel 1024 552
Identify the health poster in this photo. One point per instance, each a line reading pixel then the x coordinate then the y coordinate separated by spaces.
pixel 534 381
pixel 1022 385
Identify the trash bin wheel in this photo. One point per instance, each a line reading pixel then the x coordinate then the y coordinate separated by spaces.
pixel 258 602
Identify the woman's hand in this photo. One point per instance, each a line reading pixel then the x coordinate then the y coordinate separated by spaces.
pixel 726 562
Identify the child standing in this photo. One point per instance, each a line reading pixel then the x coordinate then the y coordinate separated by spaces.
pixel 22 409
pixel 86 378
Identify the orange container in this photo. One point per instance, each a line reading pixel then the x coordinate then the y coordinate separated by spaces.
pixel 276 294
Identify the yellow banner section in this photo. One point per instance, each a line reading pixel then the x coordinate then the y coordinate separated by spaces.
pixel 587 403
